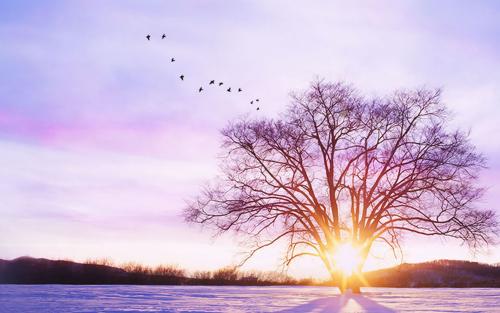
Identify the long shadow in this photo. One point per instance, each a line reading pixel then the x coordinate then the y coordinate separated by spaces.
pixel 341 303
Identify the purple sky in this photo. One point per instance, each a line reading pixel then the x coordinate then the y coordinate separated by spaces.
pixel 101 143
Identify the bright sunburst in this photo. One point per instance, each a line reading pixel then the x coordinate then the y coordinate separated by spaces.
pixel 346 258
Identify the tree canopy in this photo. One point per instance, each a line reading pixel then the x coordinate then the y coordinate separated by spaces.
pixel 338 166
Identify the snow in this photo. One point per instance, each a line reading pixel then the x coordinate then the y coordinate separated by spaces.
pixel 65 298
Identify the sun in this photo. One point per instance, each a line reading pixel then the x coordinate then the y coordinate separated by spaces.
pixel 346 258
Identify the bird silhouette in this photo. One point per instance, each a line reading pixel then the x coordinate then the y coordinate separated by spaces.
pixel 258 108
pixel 212 82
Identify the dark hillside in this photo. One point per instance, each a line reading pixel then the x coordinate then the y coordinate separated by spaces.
pixel 442 273
pixel 26 270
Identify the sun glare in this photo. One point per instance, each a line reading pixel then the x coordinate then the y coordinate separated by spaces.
pixel 346 258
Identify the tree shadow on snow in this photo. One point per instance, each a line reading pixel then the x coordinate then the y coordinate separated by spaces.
pixel 344 303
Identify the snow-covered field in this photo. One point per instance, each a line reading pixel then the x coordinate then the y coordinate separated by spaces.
pixel 63 298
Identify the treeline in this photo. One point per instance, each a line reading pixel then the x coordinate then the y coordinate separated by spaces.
pixel 442 273
pixel 26 270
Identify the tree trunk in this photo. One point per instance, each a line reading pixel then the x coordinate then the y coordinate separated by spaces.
pixel 354 284
pixel 342 289
pixel 351 282
pixel 348 283
pixel 355 280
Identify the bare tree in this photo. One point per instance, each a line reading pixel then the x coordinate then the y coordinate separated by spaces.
pixel 338 167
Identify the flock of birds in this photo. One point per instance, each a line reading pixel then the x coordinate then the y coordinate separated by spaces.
pixel 212 82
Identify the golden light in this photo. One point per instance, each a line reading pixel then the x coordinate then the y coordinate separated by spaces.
pixel 346 258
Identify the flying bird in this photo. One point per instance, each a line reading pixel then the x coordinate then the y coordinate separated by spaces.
pixel 220 84
pixel 148 37
pixel 240 90
pixel 211 82
pixel 229 89
pixel 200 90
pixel 258 108
pixel 181 77
pixel 163 36
pixel 251 102
pixel 172 60
pixel 257 100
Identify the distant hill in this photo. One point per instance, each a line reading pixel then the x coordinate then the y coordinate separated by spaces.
pixel 442 273
pixel 27 270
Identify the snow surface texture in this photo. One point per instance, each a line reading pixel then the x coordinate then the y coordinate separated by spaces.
pixel 64 298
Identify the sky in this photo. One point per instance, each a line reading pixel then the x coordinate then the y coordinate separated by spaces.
pixel 101 144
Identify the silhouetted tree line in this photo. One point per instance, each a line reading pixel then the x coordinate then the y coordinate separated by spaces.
pixel 442 273
pixel 26 270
